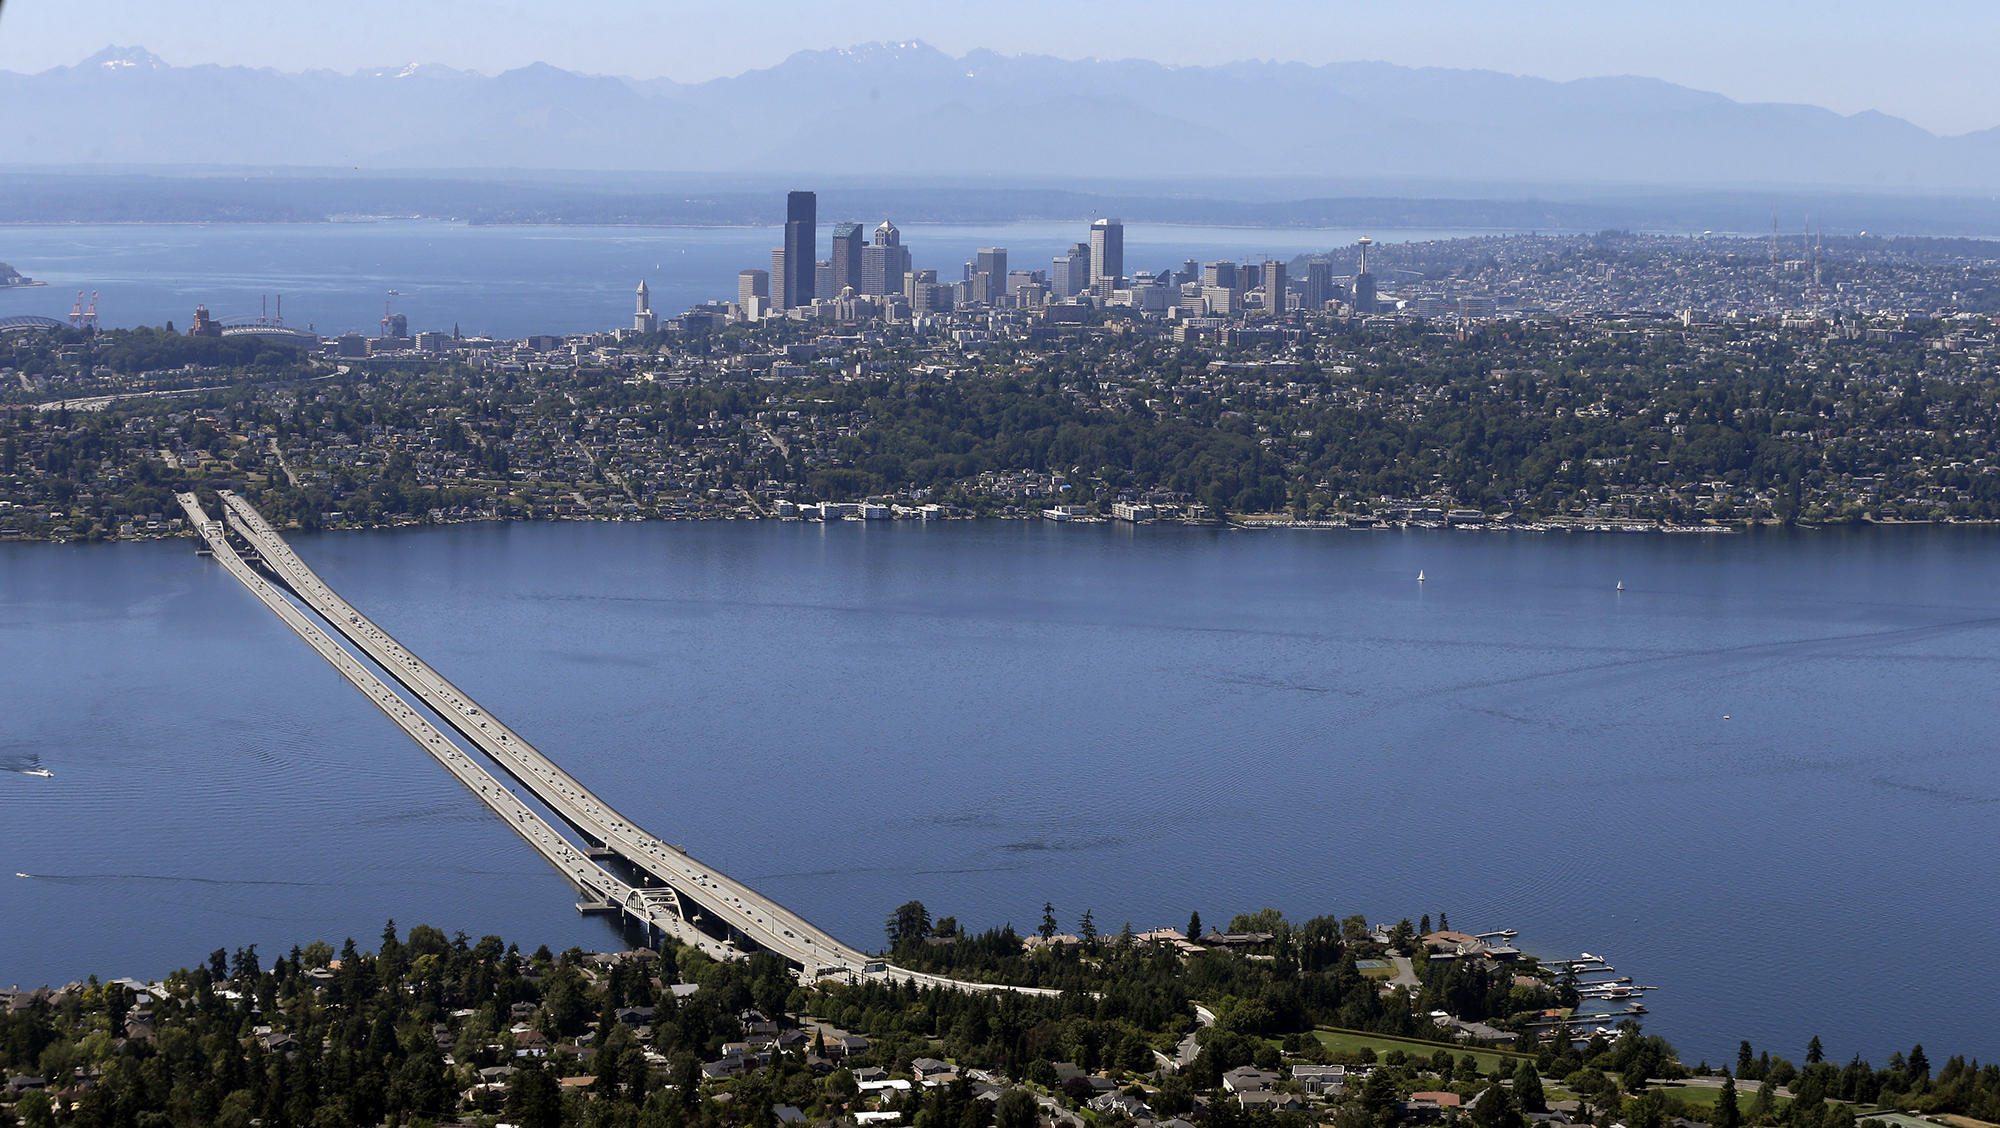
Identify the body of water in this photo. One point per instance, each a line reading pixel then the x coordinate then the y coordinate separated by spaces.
pixel 511 281
pixel 1763 777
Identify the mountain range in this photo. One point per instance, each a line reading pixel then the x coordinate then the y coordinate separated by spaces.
pixel 907 109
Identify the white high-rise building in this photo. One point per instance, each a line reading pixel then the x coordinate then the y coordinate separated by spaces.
pixel 642 317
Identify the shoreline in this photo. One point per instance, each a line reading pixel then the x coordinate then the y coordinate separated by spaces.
pixel 1234 524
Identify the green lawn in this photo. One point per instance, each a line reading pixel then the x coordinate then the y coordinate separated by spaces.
pixel 1351 1040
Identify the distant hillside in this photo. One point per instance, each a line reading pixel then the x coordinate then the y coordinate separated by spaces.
pixel 885 110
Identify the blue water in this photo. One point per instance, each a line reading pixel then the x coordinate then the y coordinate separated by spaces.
pixel 1762 777
pixel 510 281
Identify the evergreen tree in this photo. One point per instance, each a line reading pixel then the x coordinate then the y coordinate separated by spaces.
pixel 1727 1115
pixel 1194 927
pixel 1815 1053
pixel 1528 1088
pixel 1496 1109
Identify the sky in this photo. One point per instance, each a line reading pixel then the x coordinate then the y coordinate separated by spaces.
pixel 1929 61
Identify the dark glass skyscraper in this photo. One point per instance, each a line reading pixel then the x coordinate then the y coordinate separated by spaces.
pixel 801 247
pixel 846 258
pixel 1107 256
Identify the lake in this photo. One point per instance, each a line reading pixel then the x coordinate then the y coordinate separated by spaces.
pixel 511 281
pixel 1762 777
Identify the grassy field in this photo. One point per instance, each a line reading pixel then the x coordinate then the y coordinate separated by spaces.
pixel 1352 1040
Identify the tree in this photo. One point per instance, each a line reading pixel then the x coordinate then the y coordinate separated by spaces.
pixel 1443 924
pixel 1048 929
pixel 1761 1104
pixel 1403 937
pixel 1815 1053
pixel 911 921
pixel 1016 1109
pixel 1495 1108
pixel 534 1099
pixel 1528 1088
pixel 1194 926
pixel 1746 1060
pixel 1649 1110
pixel 1920 1066
pixel 1424 925
pixel 1727 1115
pixel 1086 928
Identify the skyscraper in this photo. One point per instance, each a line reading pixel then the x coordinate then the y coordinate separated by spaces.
pixel 885 262
pixel 1319 285
pixel 779 287
pixel 801 243
pixel 1107 256
pixel 846 258
pixel 642 317
pixel 752 284
pixel 989 275
pixel 1069 274
pixel 1274 288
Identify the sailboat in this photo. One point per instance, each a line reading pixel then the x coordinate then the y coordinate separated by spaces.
pixel 1420 575
pixel 1621 585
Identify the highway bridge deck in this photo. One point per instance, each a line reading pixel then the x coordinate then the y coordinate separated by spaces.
pixel 747 915
pixel 652 906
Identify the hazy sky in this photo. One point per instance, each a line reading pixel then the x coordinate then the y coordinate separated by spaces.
pixel 1930 61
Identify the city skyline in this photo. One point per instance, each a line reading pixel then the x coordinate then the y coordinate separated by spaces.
pixel 1849 58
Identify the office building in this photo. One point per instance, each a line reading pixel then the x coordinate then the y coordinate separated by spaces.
pixel 1107 256
pixel 1019 278
pixel 778 287
pixel 801 242
pixel 752 284
pixel 1069 274
pixel 1274 288
pixel 642 317
pixel 988 274
pixel 885 263
pixel 1221 274
pixel 1318 289
pixel 824 287
pixel 846 260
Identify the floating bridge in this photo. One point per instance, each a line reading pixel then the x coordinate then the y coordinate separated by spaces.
pixel 615 865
